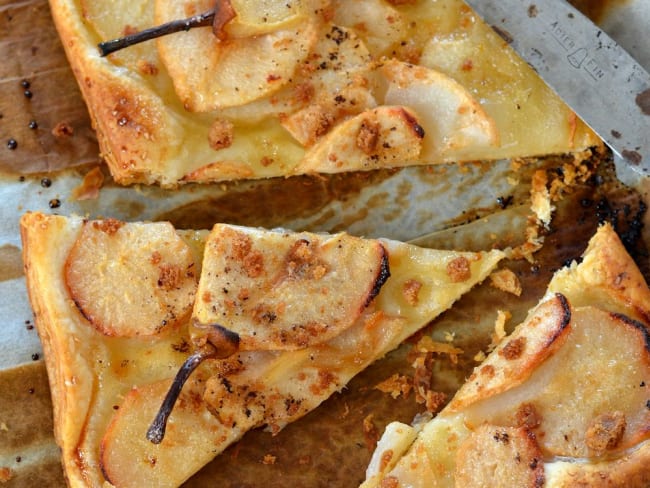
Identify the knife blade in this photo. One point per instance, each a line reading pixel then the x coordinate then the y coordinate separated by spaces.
pixel 605 86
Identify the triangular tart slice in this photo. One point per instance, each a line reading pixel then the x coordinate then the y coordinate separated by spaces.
pixel 287 87
pixel 562 401
pixel 126 309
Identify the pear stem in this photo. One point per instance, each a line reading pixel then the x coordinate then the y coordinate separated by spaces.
pixel 200 20
pixel 156 431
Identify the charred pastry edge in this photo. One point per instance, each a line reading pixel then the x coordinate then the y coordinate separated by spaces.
pixel 156 431
pixel 201 20
pixel 382 277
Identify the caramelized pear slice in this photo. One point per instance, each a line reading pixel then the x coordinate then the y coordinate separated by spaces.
pixel 128 459
pixel 499 456
pixel 451 117
pixel 279 290
pixel 574 377
pixel 258 17
pixel 382 26
pixel 209 73
pixel 385 136
pixel 131 279
pixel 334 76
pixel 517 356
pixel 599 375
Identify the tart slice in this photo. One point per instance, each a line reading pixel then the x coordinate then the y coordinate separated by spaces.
pixel 286 87
pixel 562 401
pixel 262 326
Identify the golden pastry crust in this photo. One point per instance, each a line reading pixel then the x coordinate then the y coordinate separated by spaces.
pixel 109 377
pixel 155 121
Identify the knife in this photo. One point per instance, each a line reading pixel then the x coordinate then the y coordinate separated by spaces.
pixel 605 86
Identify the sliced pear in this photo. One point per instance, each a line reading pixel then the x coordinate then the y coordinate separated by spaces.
pixel 598 375
pixel 118 18
pixel 311 123
pixel 128 459
pixel 516 358
pixel 281 386
pixel 395 441
pixel 530 118
pixel 380 25
pixel 499 456
pixel 338 82
pixel 385 136
pixel 152 259
pixel 280 290
pixel 334 76
pixel 109 392
pixel 450 116
pixel 259 17
pixel 209 73
pixel 573 379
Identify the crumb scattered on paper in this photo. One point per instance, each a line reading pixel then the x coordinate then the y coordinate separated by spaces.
pixel 499 328
pixel 269 459
pixel 506 280
pixel 90 186
pixel 397 385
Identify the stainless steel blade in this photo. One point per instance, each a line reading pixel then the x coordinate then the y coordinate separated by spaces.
pixel 597 78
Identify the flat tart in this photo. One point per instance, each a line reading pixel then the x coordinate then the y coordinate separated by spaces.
pixel 564 400
pixel 278 88
pixel 165 346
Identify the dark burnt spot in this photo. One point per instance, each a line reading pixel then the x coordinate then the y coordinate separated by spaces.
pixel 504 202
pixel 616 134
pixel 501 437
pixel 566 318
pixel 503 34
pixel 226 384
pixel 633 157
pixel 569 261
pixel 382 276
pixel 337 35
pixel 626 221
pixel 412 121
pixel 643 101
pixel 269 317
